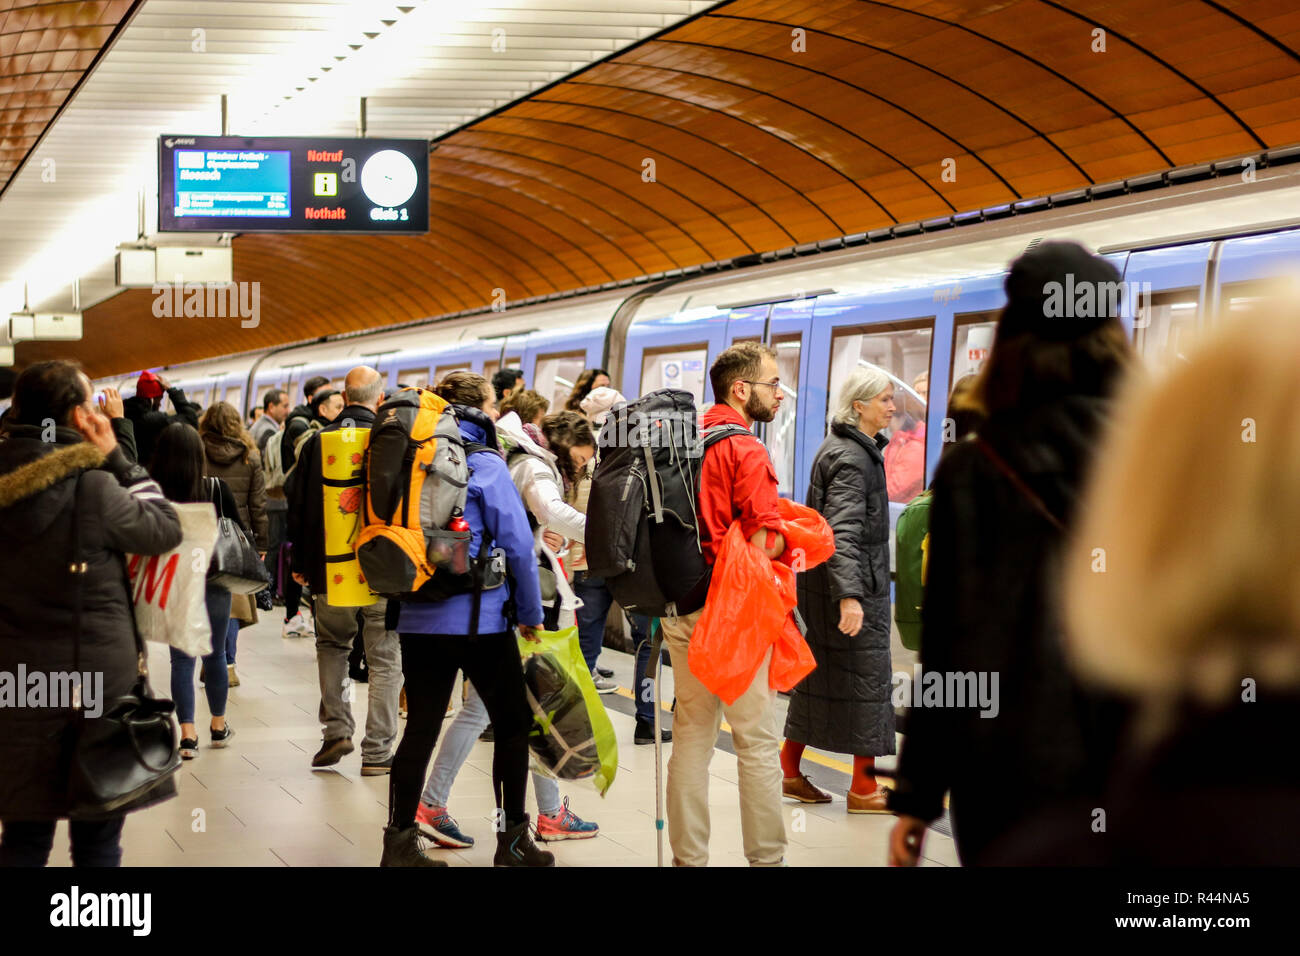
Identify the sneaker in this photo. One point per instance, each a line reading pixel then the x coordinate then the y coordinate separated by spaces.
pixel 645 732
pixel 604 671
pixel 189 748
pixel 296 626
pixel 222 737
pixel 487 734
pixel 403 848
pixel 803 790
pixel 604 685
pixel 332 751
pixel 564 825
pixel 231 675
pixel 377 768
pixel 436 823
pixel 515 847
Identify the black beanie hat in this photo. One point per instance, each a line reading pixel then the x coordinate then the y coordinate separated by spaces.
pixel 1059 291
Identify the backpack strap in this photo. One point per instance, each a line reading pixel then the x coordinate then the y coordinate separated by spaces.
pixel 1028 493
pixel 476 563
pixel 717 433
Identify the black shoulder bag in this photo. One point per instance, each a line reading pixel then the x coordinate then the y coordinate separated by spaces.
pixel 127 756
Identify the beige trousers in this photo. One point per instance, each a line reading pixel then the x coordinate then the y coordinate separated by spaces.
pixel 695 733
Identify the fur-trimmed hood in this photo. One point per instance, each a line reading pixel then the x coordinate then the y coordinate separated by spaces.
pixel 30 467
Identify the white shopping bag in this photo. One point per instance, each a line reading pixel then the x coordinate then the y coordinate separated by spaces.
pixel 168 589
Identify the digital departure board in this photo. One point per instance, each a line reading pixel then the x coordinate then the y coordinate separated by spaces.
pixel 292 184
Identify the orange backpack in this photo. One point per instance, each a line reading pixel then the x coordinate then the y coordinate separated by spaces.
pixel 416 480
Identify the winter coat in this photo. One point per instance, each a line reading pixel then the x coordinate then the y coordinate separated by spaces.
pixel 224 459
pixel 845 705
pixel 299 421
pixel 537 476
pixel 305 525
pixel 149 422
pixel 579 496
pixel 262 430
pixel 1159 797
pixel 492 508
pixel 991 608
pixel 905 464
pixel 120 510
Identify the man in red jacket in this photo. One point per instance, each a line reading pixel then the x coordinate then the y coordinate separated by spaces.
pixel 737 483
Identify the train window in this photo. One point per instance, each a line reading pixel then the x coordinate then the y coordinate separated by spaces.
pixel 780 432
pixel 1239 297
pixel 556 374
pixel 680 366
pixel 972 338
pixel 442 371
pixel 1164 326
pixel 232 398
pixel 901 349
pixel 491 368
pixel 413 376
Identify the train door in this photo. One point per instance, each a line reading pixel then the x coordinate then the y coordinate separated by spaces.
pixel 1255 270
pixel 1165 294
pixel 555 374
pixel 674 352
pixel 783 326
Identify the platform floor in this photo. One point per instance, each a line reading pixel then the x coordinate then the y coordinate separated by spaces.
pixel 259 803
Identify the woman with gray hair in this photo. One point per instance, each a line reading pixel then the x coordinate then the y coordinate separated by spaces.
pixel 845 706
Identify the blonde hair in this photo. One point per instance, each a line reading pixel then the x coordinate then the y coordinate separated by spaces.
pixel 1180 582
pixel 864 383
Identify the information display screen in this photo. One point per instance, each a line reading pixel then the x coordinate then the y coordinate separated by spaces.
pixel 292 184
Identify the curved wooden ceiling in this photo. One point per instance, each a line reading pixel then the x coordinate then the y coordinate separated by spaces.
pixel 764 137
pixel 46 47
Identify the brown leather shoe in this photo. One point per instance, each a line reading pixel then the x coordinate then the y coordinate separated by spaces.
pixel 873 802
pixel 802 789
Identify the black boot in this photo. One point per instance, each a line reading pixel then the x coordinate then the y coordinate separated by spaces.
pixel 402 848
pixel 515 847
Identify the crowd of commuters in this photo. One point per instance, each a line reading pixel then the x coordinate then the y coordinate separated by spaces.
pixel 1117 654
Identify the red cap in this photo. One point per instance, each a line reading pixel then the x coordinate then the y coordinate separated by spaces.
pixel 149 385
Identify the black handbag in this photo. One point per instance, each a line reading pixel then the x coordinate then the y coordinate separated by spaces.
pixel 128 756
pixel 235 564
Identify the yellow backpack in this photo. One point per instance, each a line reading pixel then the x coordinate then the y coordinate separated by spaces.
pixel 413 503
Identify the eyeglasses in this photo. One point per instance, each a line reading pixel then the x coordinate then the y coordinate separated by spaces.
pixel 773 385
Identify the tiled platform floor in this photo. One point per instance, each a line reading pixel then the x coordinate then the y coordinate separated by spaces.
pixel 259 803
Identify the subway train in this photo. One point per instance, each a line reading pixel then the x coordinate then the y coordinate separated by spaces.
pixel 923 308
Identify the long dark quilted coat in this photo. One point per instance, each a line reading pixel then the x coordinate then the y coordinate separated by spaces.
pixel 844 705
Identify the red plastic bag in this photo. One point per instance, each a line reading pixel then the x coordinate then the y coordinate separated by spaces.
pixel 749 609
pixel 809 540
pixel 744 614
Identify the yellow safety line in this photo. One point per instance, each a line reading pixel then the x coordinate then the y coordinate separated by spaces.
pixel 831 762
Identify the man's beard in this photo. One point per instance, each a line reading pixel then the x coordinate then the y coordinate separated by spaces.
pixel 756 410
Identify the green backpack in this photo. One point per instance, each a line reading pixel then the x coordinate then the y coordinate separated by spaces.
pixel 911 539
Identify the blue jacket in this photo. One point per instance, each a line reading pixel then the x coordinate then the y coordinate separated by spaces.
pixel 493 505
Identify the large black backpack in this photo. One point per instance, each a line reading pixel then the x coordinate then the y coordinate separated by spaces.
pixel 643 533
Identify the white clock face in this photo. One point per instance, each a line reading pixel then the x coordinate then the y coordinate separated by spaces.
pixel 388 178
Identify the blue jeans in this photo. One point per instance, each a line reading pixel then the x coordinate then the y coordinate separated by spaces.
pixel 232 638
pixel 642 685
pixel 94 842
pixel 454 750
pixel 596 602
pixel 216 682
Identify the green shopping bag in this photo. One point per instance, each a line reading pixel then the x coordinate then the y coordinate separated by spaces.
pixel 571 737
